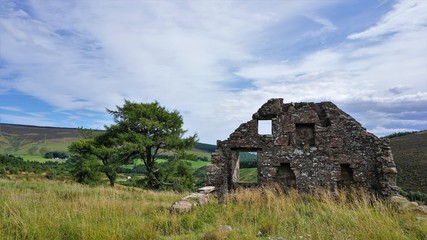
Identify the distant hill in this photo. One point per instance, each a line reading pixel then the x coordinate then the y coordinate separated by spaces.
pixel 36 140
pixel 31 134
pixel 410 154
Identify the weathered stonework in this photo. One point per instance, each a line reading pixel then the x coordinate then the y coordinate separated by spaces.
pixel 311 145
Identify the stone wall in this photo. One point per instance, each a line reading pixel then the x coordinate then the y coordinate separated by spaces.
pixel 310 145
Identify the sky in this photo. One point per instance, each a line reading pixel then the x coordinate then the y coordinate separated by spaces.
pixel 63 63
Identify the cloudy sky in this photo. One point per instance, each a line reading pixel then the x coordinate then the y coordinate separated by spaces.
pixel 62 63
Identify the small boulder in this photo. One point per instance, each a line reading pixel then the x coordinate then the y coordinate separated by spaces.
pixel 412 206
pixel 203 200
pixel 206 190
pixel 198 199
pixel 181 207
pixel 226 228
pixel 421 209
pixel 397 199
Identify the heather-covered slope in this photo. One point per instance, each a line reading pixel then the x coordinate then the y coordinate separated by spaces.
pixel 410 156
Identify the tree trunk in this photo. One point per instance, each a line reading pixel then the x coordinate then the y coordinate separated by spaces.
pixel 111 179
pixel 153 182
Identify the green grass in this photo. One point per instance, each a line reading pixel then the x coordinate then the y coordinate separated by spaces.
pixel 194 164
pixel 248 175
pixel 197 164
pixel 57 210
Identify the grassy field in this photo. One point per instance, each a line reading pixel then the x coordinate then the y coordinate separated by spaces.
pixel 40 209
pixel 248 175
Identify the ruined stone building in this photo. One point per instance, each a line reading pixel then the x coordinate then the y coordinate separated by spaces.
pixel 307 145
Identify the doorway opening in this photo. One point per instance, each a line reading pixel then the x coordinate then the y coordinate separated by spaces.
pixel 246 169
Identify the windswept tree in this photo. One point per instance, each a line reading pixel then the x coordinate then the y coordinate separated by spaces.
pixel 143 130
pixel 101 147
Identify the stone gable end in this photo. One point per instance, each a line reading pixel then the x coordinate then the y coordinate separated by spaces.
pixel 309 145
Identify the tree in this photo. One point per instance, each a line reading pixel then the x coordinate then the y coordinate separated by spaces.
pixel 143 130
pixel 100 147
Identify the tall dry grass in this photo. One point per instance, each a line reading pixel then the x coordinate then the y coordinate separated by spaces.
pixel 55 210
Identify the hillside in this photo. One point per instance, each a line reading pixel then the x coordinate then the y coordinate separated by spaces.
pixel 35 140
pixel 410 155
pixel 25 140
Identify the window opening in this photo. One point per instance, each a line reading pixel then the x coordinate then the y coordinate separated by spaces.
pixel 305 134
pixel 346 175
pixel 265 127
pixel 286 175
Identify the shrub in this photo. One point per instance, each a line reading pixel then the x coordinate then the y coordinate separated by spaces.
pixel 176 175
pixel 55 155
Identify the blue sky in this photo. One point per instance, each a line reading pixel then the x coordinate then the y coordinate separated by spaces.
pixel 62 63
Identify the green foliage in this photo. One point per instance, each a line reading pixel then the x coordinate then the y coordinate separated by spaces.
pixel 143 130
pixel 55 155
pixel 100 147
pixel 176 175
pixel 187 156
pixel 248 160
pixel 399 134
pixel 415 196
pixel 247 156
pixel 200 175
pixel 206 147
pixel 14 165
pixel 51 174
pixel 85 170
pixel 203 158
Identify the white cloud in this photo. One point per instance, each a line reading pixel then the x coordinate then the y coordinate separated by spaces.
pixel 406 16
pixel 355 72
pixel 327 26
pixel 92 54
pixel 11 108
